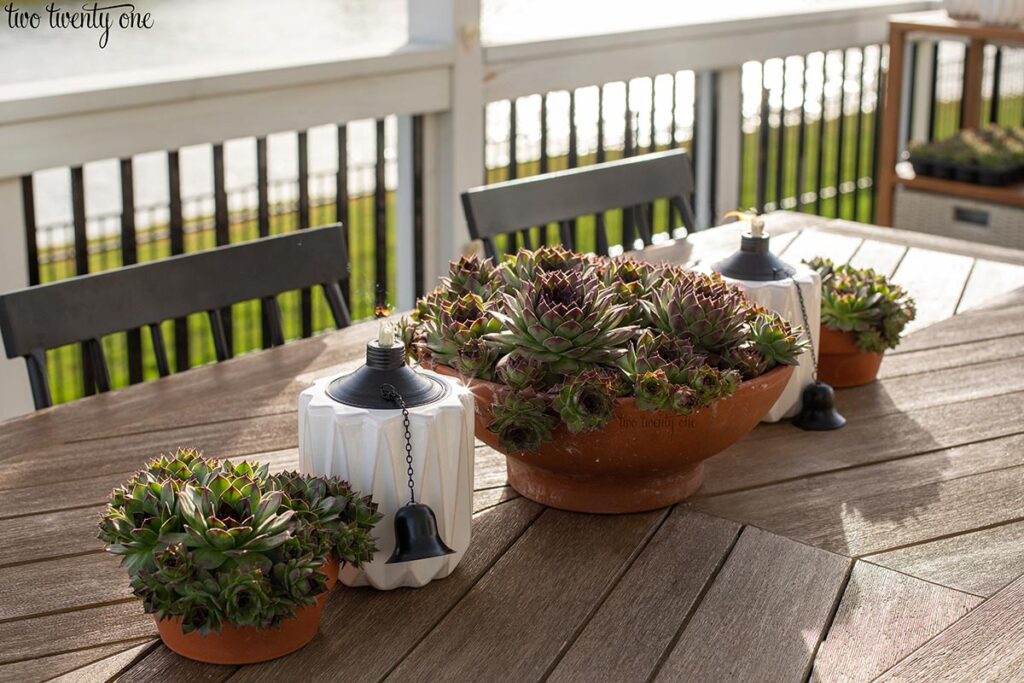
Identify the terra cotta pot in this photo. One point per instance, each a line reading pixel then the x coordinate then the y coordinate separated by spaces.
pixel 248 644
pixel 841 362
pixel 640 460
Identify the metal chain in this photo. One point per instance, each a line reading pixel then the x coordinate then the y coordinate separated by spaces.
pixel 807 324
pixel 389 393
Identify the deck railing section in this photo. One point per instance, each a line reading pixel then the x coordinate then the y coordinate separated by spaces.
pixel 688 86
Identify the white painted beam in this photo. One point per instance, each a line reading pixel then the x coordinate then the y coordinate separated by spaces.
pixel 15 395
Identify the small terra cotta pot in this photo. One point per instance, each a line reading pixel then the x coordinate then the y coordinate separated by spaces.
pixel 841 362
pixel 248 644
pixel 641 460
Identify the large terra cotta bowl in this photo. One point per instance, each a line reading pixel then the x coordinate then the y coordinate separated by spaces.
pixel 639 461
pixel 248 644
pixel 841 362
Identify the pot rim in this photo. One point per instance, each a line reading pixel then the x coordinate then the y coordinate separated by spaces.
pixel 620 401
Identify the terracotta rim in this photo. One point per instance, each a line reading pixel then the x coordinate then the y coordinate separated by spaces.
pixel 842 363
pixel 639 461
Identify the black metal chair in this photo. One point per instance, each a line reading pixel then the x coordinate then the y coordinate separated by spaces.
pixel 629 184
pixel 85 308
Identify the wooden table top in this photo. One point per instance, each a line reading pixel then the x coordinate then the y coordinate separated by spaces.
pixel 894 546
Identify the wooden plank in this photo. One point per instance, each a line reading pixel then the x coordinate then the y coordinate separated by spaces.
pixel 988 280
pixel 970 327
pixel 944 358
pixel 882 257
pixel 160 665
pixel 779 452
pixel 389 624
pixel 489 498
pixel 514 623
pixel 764 615
pixel 983 646
pixel 935 280
pixel 60 633
pixel 62 585
pixel 911 238
pixel 638 622
pixel 883 617
pixel 981 562
pixel 489 468
pixel 866 510
pixel 46 668
pixel 76 529
pixel 108 667
pixel 94 490
pixel 119 454
pixel 811 243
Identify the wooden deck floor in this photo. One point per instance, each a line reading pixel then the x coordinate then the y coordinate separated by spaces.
pixel 893 547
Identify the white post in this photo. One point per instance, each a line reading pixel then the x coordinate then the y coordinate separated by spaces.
pixel 730 135
pixel 704 141
pixel 453 140
pixel 405 252
pixel 922 92
pixel 15 395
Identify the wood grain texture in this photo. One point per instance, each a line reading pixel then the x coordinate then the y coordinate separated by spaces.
pixel 636 624
pixel 981 562
pixel 514 623
pixel 971 326
pixel 945 358
pixel 489 468
pixel 107 668
pixel 987 279
pixel 91 491
pixel 882 257
pixel 65 584
pixel 778 452
pixel 883 617
pixel 45 668
pixel 489 498
pixel 365 633
pixel 65 632
pixel 76 530
pixel 983 646
pixel 764 615
pixel 811 243
pixel 866 510
pixel 935 280
pixel 160 664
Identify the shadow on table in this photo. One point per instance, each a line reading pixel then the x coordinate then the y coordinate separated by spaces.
pixel 849 491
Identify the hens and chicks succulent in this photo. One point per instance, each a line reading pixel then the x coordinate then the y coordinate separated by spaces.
pixel 220 543
pixel 863 303
pixel 567 334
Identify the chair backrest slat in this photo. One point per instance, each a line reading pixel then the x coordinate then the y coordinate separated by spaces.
pixel 85 309
pixel 627 184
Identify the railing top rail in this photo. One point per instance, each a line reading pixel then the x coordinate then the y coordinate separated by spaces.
pixel 101 92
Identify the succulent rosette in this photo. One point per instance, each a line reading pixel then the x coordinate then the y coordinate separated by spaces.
pixel 586 401
pixel 564 335
pixel 864 303
pixel 522 422
pixel 565 319
pixel 214 543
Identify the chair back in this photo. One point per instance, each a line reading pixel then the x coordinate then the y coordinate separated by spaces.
pixel 631 184
pixel 85 308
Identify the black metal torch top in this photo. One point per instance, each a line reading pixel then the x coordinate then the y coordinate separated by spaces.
pixel 385 365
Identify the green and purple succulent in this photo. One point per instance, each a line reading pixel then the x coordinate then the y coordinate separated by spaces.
pixel 566 335
pixel 215 542
pixel 864 303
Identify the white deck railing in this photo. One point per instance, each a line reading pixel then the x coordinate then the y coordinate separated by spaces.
pixel 443 72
